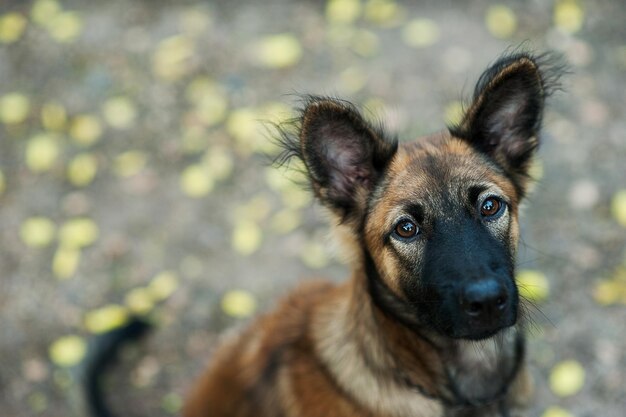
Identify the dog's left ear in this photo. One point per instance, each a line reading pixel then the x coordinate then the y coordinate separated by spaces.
pixel 504 118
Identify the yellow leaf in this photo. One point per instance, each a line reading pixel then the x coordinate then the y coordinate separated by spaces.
pixel 68 350
pixel 3 183
pixel 257 209
pixel 129 163
pixel 163 285
pixel 246 237
pixel 196 181
pixel 365 43
pixel 244 126
pixel 42 152
pixel 65 26
pixel 194 21
pixel 618 207
pixel 314 255
pixel 385 13
pixel 106 318
pixel 568 16
pixel 14 108
pixel 85 129
pixel 65 262
pixel 285 221
pixel 556 412
pixel 37 232
pixel 219 161
pixel 343 11
pixel 453 113
pixel 139 300
pixel 238 303
pixel 12 27
pixel 78 233
pixel 567 378
pixel 533 285
pixel 211 109
pixel 536 169
pixel 119 112
pixel 53 116
pixel 352 80
pixel 420 33
pixel 44 11
pixel 82 169
pixel 171 60
pixel 278 51
pixel 501 21
pixel 608 292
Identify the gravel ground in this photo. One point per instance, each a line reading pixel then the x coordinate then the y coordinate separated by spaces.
pixel 134 176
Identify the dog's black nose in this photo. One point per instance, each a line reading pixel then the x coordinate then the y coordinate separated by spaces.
pixel 484 300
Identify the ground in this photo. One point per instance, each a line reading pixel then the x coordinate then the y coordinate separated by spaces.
pixel 134 177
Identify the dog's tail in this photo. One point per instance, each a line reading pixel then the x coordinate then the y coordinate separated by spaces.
pixel 102 353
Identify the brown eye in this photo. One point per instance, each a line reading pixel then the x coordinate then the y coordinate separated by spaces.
pixel 406 229
pixel 490 207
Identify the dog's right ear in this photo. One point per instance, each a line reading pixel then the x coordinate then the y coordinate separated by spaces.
pixel 343 153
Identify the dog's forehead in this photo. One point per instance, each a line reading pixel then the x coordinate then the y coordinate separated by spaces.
pixel 440 167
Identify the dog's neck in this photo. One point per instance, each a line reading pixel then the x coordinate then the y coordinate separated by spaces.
pixel 409 371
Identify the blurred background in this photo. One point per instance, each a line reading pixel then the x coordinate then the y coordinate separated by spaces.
pixel 135 177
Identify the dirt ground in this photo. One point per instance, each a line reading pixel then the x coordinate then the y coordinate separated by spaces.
pixel 134 177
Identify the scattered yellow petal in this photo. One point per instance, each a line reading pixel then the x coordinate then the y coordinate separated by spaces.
pixel 41 152
pixel 257 209
pixel 172 403
pixel 78 233
pixel 285 221
pixel 171 61
pixel 119 112
pixel 68 350
pixel 278 51
pixel 65 26
pixel 53 116
pixel 14 108
pixel 238 303
pixel 343 11
pixel 82 169
pixel 420 33
pixel 501 21
pixel 618 207
pixel 453 113
pixel 3 183
pixel 85 129
pixel 130 163
pixel 65 262
pixel 314 255
pixel 385 13
pixel 219 161
pixel 194 21
pixel 44 11
pixel 106 318
pixel 536 169
pixel 567 378
pixel 352 80
pixel 568 16
pixel 533 285
pixel 163 285
pixel 246 237
pixel 37 232
pixel 212 108
pixel 365 43
pixel 139 300
pixel 608 292
pixel 556 412
pixel 244 126
pixel 12 27
pixel 196 181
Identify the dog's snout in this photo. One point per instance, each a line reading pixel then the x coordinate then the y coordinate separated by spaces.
pixel 484 300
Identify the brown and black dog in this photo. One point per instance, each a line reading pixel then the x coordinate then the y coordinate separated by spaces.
pixel 430 321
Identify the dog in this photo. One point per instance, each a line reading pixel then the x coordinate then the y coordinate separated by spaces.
pixel 430 322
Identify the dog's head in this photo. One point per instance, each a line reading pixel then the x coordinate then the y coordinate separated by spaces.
pixel 435 221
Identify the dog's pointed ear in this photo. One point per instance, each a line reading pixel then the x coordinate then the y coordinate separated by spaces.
pixel 505 116
pixel 343 153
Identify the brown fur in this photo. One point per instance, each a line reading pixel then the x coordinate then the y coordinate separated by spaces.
pixel 330 350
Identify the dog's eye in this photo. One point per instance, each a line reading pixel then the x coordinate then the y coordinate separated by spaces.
pixel 490 207
pixel 406 229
